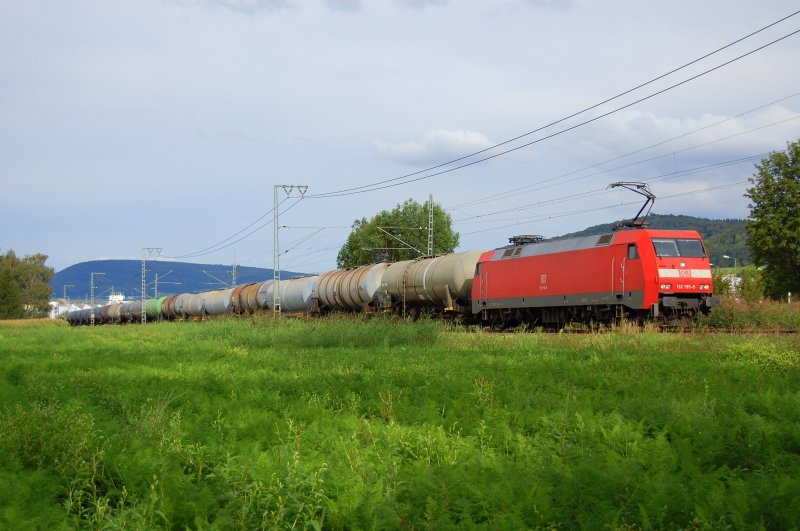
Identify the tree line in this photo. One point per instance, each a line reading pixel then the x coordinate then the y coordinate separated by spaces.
pixel 25 289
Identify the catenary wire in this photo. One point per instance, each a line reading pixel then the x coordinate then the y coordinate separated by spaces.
pixel 514 191
pixel 600 191
pixel 212 251
pixel 580 124
pixel 374 186
pixel 608 170
pixel 586 211
pixel 213 248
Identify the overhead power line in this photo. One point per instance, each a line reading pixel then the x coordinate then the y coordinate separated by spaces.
pixel 536 187
pixel 596 209
pixel 529 187
pixel 405 179
pixel 604 190
pixel 219 247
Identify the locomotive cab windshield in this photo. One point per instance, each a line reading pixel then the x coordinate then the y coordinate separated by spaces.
pixel 679 247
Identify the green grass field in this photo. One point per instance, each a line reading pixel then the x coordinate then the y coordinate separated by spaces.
pixel 376 424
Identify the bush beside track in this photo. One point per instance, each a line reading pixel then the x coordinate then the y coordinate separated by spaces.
pixel 735 315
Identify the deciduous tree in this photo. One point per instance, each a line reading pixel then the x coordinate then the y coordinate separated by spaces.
pixel 399 234
pixel 24 285
pixel 10 300
pixel 774 223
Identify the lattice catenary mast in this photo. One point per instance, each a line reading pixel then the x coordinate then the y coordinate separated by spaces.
pixel 146 253
pixel 276 244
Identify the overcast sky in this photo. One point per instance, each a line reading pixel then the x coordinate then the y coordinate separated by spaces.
pixel 167 123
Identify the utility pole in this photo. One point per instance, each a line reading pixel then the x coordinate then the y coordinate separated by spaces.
pixel 65 291
pixel 91 290
pixel 146 253
pixel 430 225
pixel 155 294
pixel 233 272
pixel 276 264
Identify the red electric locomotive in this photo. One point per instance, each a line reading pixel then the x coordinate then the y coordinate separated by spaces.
pixel 639 274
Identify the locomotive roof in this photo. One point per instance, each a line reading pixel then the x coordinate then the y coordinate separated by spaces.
pixel 581 242
pixel 553 246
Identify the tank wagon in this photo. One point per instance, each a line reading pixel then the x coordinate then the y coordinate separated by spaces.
pixel 637 274
pixel 296 294
pixel 440 283
pixel 353 289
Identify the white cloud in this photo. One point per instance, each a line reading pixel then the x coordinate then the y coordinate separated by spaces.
pixel 437 146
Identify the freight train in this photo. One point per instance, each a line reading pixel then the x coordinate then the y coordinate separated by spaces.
pixel 638 274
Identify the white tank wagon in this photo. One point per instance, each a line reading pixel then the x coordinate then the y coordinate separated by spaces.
pixel 194 305
pixel 264 295
pixel 297 294
pixel 182 304
pixel 218 302
pixel 442 281
pixel 358 288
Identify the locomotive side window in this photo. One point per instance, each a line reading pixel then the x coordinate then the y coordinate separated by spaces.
pixel 632 252
pixel 685 247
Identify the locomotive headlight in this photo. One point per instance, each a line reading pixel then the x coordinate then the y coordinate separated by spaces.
pixel 666 286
